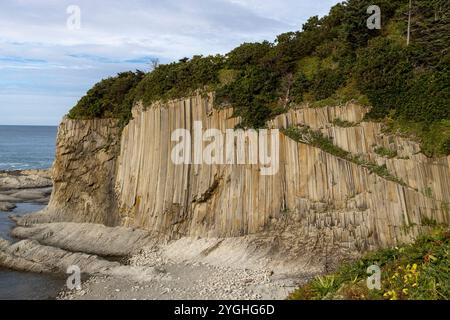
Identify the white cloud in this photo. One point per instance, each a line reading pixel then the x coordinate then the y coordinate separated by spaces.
pixel 118 35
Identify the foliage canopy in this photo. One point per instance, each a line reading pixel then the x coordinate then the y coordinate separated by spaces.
pixel 332 60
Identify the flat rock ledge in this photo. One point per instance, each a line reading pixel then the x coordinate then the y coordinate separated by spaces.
pixel 24 186
pixel 30 256
pixel 7 206
pixel 25 179
pixel 87 238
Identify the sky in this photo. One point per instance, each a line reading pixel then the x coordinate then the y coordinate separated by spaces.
pixel 49 58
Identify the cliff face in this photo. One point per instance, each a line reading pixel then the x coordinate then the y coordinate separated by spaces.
pixel 429 176
pixel 316 198
pixel 84 172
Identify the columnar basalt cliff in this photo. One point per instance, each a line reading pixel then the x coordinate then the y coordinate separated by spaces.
pixel 317 198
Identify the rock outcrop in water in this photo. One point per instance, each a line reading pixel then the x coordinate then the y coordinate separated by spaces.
pixel 24 186
pixel 316 203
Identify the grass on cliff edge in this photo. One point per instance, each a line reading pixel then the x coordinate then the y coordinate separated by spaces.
pixel 318 140
pixel 420 271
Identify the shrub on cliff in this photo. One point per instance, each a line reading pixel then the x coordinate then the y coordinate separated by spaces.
pixel 334 59
pixel 110 98
pixel 180 79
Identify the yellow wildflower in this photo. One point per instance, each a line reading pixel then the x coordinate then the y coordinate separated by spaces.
pixel 392 295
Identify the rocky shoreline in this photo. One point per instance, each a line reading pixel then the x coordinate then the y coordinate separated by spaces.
pixel 24 186
pixel 128 263
pixel 188 269
pixel 125 263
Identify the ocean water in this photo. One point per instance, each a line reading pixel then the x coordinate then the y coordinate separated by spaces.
pixel 27 147
pixel 25 285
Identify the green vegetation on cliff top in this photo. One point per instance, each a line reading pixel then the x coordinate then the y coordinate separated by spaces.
pixel 333 60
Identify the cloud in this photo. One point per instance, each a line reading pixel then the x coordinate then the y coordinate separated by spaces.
pixel 39 55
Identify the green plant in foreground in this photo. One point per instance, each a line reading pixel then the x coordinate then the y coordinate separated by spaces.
pixel 419 271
